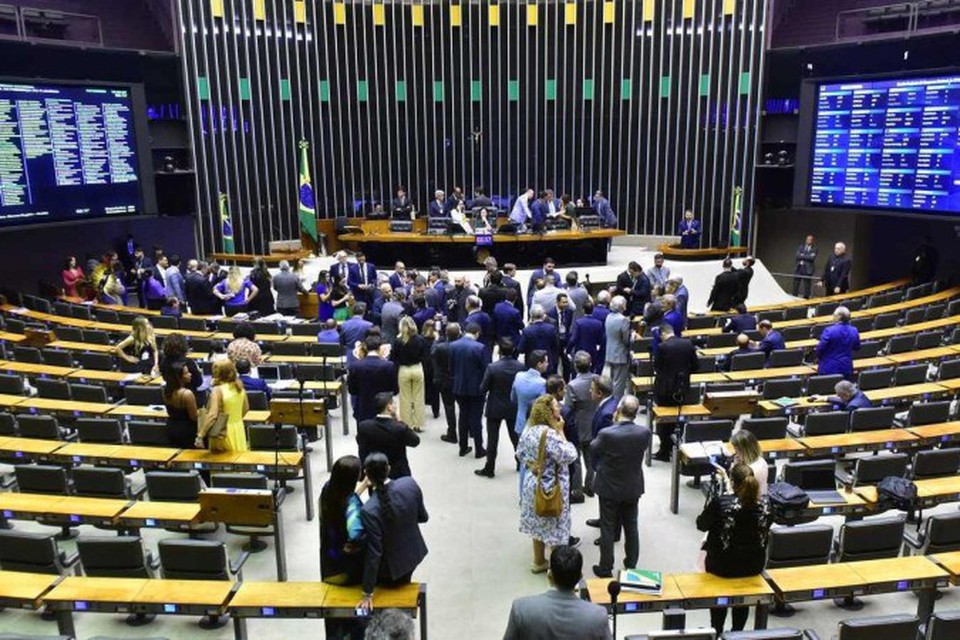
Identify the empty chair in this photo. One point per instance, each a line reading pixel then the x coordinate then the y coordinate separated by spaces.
pixel 708 364
pixel 766 428
pixel 305 329
pixel 107 315
pixel 288 349
pixel 799 546
pixel 61 308
pixel 792 334
pixel 875 379
pixel 895 627
pixel 782 388
pixel 643 368
pixel 817 330
pixel 796 313
pixel 825 423
pixel 940 534
pixel 825 308
pixel 193 324
pixel 863 323
pixel 921 413
pixel 318 372
pixel 164 322
pixel 872 470
pixel 949 369
pixel 719 387
pixel 57 357
pixel 810 475
pixel 52 388
pixel 70 334
pixel 871 418
pixel 953 308
pixel 30 355
pixel 95 360
pixel 267 328
pixel 257 400
pixel 173 486
pixel 325 350
pixel 935 463
pixel 823 385
pixel 116 557
pixel 886 320
pixel 854 304
pixel 747 361
pixel 262 437
pixel 126 317
pixel 942 625
pixel 913 293
pixel 102 482
pixel 775 315
pixel 246 481
pixel 105 430
pixel 869 349
pixel 45 427
pixel 81 312
pixel 786 358
pixel 141 394
pixel 8 424
pixel 199 560
pixel 721 340
pixel 929 339
pixel 96 336
pixel 955 336
pixel 910 374
pixel 870 539
pixel 13 325
pixel 33 553
pixel 915 316
pixel 148 433
pixel 42 478
pixel 89 393
pixel 11 384
pixel 902 344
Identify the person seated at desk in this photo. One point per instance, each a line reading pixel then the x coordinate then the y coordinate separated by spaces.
pixel 520 214
pixel 480 199
pixel 742 322
pixel 743 347
pixel 249 382
pixel 848 398
pixel 771 340
pixel 402 206
pixel 329 334
pixel 737 525
pixel 438 207
pixel 482 224
pixel 171 308
pixel 689 231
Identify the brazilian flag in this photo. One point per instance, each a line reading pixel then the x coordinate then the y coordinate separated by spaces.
pixel 736 217
pixel 226 225
pixel 307 205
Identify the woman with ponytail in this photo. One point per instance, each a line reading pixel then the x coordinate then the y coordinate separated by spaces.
pixel 391 520
pixel 737 525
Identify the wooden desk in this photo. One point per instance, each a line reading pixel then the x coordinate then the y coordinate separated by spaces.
pixel 12 337
pixel 772 373
pixel 204 459
pixel 844 443
pixel 60 510
pixel 645 383
pixel 770 408
pixel 939 433
pixel 678 414
pixel 905 392
pixel 23 590
pixel 702 590
pixel 80 452
pixel 949 561
pixel 36 370
pixel 160 413
pixel 159 514
pixel 118 378
pixel 68 407
pixel 812 302
pixel 185 597
pixel 82 346
pixel 76 593
pixel 872 363
pixel 29 448
pixel 952 385
pixel 922 354
pixel 825 581
pixel 631 602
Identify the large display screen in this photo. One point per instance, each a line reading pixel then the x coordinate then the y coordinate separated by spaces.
pixel 887 144
pixel 67 153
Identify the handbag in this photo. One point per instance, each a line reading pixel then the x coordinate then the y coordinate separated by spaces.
pixel 546 504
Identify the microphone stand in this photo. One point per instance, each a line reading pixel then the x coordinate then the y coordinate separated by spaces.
pixel 613 588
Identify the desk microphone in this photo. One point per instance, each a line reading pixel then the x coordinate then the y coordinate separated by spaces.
pixel 613 588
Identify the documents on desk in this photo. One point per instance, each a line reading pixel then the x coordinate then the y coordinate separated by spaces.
pixel 280 385
pixel 703 450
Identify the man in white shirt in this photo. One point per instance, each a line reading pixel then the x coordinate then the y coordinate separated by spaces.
pixel 521 209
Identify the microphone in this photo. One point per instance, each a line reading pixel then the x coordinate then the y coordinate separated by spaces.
pixel 613 589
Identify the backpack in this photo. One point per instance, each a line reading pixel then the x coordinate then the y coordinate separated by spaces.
pixel 785 499
pixel 896 493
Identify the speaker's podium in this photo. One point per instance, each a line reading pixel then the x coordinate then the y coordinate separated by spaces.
pixel 306 415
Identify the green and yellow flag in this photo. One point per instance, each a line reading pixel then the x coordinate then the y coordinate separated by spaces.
pixel 736 217
pixel 307 208
pixel 226 225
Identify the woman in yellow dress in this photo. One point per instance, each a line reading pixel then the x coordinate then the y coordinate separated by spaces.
pixel 229 397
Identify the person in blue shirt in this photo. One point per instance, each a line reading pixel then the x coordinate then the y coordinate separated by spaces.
pixel 689 231
pixel 539 212
pixel 836 346
pixel 742 322
pixel 588 335
pixel 438 207
pixel 329 333
pixel 423 313
pixel 507 321
pixel 848 398
pixel 771 339
pixel 520 214
pixel 672 315
pixel 249 382
pixel 602 206
pixel 354 330
pixel 528 386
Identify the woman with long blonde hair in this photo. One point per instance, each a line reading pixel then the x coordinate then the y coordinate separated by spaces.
pixel 229 397
pixel 145 355
pixel 544 431
pixel 409 351
pixel 235 291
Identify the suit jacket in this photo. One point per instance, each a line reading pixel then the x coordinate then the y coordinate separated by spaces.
pixel 741 323
pixel 540 335
pixel 836 273
pixel 398 205
pixel 389 437
pixel 395 546
pixel 175 284
pixel 481 201
pixel 617 328
pixel 254 384
pixel 582 404
pixel 487 334
pixel 835 349
pixel 356 279
pixel 440 358
pixel 605 211
pixel 726 288
pixel 636 292
pixel 773 342
pixel 617 457
pixel 578 297
pixel 339 271
pixel 744 276
pixel 507 322
pixel 510 283
pixel 491 296
pixel 556 615
pixel 368 377
pixel 352 331
pixel 437 210
pixel 600 312
pixel 538 212
pixel 435 297
pixel 691 240
pixel 390 320
pixel 588 334
pixel 563 322
pixel 287 285
pixel 468 360
pixel 603 418
pixel 673 363
pixel 199 292
pixel 497 384
pixel 683 298
pixel 806 258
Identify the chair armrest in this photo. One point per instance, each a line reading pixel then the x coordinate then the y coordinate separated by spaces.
pixel 153 562
pixel 136 492
pixel 68 560
pixel 810 634
pixel 7 481
pixel 914 539
pixel 237 565
pixel 68 436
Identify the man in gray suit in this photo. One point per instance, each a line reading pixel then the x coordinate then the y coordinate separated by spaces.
pixel 390 317
pixel 617 455
pixel 617 327
pixel 581 403
pixel 558 614
pixel 287 285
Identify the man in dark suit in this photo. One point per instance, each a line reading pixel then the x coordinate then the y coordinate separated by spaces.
pixel 494 293
pixel 475 315
pixel 635 287
pixel 354 330
pixel 771 339
pixel 386 434
pixel 726 288
pixel 480 199
pixel 745 275
pixel 742 322
pixel 199 292
pixel 836 273
pixel 540 335
pixel 443 381
pixel 674 362
pixel 547 273
pixel 369 376
pixel 362 280
pixel 561 317
pixel 435 293
pixel 341 269
pixel 507 322
pixel 806 267
pixel 617 455
pixel 402 205
pixel 468 360
pixel 398 278
pixel 578 399
pixel 538 212
pixel 510 281
pixel 601 390
pixel 589 335
pixel 497 383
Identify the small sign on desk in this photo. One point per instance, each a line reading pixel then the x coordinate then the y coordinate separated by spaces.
pixel 483 240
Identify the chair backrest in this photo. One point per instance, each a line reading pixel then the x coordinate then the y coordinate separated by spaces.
pixel 328 350
pixel 320 372
pixel 747 361
pixel 706 430
pixel 718 340
pixel 708 364
pixel 142 394
pixel 57 357
pixel 913 293
pixel 257 400
pixel 42 478
pixel 902 344
pixel 935 463
pixel 825 308
pixel 766 428
pixel 875 468
pixel 693 322
pixel 870 539
pixel 896 627
pixel 825 423
pixel 791 334
pixel 943 625
pixel 863 323
pixel 81 312
pixel 886 320
pixel 148 433
pixel 815 475
pixel 869 349
pixel 108 430
pixel 799 546
pixel 910 374
pixel 193 324
pixel 61 308
pixel 39 426
pixel 164 322
pixel 100 482
pixel 8 424
pixel 239 481
pixel 194 560
pixel 306 329
pixel 915 316
pixel 875 379
pixel 928 413
pixel 929 339
pixel 288 348
pixel 774 315
pixel 870 418
pixel 786 358
pixel 782 388
pixel 942 533
pixel 955 336
pixel 173 486
pixel 95 360
pixel 32 552
pixel 262 435
pixel 70 334
pixel 822 385
pixel 29 355
pixel 644 368
pixel 116 557
pixel 96 336
pixel 107 315
pixel 10 384
pixel 52 388
pixel 723 387
pixel 89 393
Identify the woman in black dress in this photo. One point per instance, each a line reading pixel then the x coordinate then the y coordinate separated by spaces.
pixel 260 277
pixel 175 349
pixel 181 405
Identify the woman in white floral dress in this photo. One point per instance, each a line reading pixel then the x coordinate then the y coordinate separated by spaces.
pixel 544 415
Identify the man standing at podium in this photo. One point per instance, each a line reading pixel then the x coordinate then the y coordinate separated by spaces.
pixel 689 231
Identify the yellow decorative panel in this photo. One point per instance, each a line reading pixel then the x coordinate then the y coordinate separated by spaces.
pixel 493 13
pixel 533 15
pixel 456 16
pixel 609 12
pixel 379 15
pixel 570 13
pixel 300 11
pixel 649 10
pixel 339 13
pixel 259 10
pixel 416 15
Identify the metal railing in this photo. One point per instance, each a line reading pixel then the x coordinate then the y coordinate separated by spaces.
pixel 897 20
pixel 31 24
